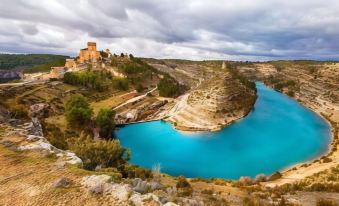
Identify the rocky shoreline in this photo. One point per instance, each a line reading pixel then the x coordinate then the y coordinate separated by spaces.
pixel 311 93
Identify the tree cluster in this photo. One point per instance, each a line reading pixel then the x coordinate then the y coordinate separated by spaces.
pixel 30 62
pixel 79 114
pixel 168 87
pixel 89 79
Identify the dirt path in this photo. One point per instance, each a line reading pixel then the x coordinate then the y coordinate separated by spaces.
pixel 135 99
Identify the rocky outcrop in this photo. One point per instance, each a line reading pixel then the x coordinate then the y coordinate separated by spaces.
pixel 216 102
pixel 9 75
pixel 138 193
pixel 61 182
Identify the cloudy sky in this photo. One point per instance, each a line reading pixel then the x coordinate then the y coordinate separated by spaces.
pixel 191 29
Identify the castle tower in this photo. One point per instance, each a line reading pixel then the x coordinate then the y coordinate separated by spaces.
pixel 92 46
pixel 89 54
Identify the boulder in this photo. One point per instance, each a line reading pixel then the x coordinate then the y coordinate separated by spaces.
pixel 120 192
pixel 35 128
pixel 61 182
pixel 156 186
pixel 142 187
pixel 34 138
pixel 38 145
pixel 38 110
pixel 145 200
pixel 170 204
pixel 71 158
pixel 96 183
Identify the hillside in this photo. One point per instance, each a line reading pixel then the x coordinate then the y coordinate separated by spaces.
pixel 209 96
pixel 217 96
pixel 13 65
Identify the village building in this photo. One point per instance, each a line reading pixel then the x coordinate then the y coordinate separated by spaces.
pixel 57 72
pixel 89 54
pixel 70 63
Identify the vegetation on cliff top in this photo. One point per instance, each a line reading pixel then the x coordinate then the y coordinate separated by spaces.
pixel 30 62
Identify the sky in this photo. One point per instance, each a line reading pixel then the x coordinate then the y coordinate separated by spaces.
pixel 250 30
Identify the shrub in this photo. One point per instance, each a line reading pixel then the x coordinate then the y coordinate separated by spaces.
pixel 275 176
pixel 105 122
pixel 120 83
pixel 90 79
pixel 168 87
pixel 207 191
pixel 327 160
pixel 133 171
pixel 324 202
pixel 104 153
pixel 78 112
pixel 260 178
pixel 140 88
pixel 183 186
pixel 245 181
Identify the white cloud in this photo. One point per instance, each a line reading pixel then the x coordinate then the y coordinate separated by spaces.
pixel 193 29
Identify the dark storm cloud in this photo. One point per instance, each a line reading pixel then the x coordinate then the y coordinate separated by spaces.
pixel 195 29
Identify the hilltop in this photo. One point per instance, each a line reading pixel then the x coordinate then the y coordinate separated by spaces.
pixel 37 140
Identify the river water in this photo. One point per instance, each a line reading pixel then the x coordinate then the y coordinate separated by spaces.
pixel 278 133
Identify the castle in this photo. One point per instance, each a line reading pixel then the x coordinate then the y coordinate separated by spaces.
pixel 89 54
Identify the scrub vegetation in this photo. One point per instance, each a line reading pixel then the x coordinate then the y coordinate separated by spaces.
pixel 30 62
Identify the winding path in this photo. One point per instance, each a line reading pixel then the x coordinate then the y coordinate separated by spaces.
pixel 135 99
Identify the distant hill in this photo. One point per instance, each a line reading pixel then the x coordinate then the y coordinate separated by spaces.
pixel 30 62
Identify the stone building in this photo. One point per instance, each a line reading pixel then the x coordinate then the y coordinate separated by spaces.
pixel 89 54
pixel 57 72
pixel 70 63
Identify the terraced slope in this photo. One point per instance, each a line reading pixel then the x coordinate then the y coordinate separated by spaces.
pixel 218 100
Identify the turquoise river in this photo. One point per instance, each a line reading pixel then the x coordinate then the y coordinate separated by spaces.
pixel 278 133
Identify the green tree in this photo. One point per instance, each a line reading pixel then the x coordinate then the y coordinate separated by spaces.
pixel 78 112
pixel 105 122
pixel 120 83
pixel 104 153
pixel 167 87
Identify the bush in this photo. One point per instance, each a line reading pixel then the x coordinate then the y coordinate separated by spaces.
pixel 105 122
pixel 245 181
pixel 77 111
pixel 260 178
pixel 327 160
pixel 275 176
pixel 133 171
pixel 324 202
pixel 168 87
pixel 120 83
pixel 104 153
pixel 89 79
pixel 183 186
pixel 140 88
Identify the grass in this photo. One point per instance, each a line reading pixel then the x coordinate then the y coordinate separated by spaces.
pixel 111 102
pixel 59 121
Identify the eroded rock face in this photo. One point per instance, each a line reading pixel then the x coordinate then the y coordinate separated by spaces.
pixel 38 110
pixel 34 140
pixel 216 102
pixel 35 128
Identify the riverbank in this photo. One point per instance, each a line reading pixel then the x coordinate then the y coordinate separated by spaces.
pixel 314 89
pixel 318 164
